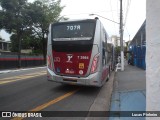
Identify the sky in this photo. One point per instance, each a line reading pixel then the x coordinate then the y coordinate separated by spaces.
pixel 134 14
pixel 77 9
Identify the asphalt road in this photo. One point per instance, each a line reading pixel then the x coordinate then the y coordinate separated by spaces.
pixel 30 91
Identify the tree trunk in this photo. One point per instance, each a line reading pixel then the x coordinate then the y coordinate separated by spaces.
pixel 19 48
pixel 44 47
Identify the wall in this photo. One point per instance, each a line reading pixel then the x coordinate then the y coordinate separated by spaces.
pixel 10 60
pixel 153 56
pixel 137 47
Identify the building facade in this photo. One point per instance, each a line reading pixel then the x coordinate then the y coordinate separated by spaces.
pixel 116 41
pixel 4 46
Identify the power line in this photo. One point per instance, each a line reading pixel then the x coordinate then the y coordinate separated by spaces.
pixel 112 16
pixel 118 9
pixel 126 15
pixel 127 32
pixel 105 18
pixel 127 9
pixel 87 13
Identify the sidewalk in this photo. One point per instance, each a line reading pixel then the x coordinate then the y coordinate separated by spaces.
pixel 129 92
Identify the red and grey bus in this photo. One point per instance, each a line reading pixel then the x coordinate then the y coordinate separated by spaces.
pixel 78 53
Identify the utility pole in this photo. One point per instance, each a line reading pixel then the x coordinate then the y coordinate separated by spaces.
pixel 121 37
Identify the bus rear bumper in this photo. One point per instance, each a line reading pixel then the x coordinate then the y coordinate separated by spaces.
pixel 91 80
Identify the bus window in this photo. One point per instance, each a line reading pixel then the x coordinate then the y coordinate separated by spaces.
pixel 82 30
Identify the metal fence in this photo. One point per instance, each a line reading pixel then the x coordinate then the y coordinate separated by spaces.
pixel 10 60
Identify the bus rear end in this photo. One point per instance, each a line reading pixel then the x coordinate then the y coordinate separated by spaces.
pixel 72 55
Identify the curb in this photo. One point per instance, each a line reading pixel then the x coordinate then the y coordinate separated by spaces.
pixel 103 99
pixel 115 101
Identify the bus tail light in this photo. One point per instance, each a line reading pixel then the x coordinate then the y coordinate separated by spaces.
pixel 49 63
pixel 95 63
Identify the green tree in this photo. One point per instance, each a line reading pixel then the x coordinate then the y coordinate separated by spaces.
pixel 118 50
pixel 14 43
pixel 12 20
pixel 29 22
pixel 41 13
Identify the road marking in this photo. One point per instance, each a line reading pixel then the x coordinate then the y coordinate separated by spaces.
pixel 24 75
pixel 7 71
pixel 41 107
pixel 45 105
pixel 21 77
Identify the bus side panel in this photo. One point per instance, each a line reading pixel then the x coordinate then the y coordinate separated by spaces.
pixel 105 55
pixel 49 55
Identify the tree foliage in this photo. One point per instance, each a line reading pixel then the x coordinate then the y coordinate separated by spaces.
pixel 41 13
pixel 12 19
pixel 28 22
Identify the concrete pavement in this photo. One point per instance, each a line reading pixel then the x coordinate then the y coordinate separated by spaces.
pixel 86 99
pixel 21 69
pixel 129 92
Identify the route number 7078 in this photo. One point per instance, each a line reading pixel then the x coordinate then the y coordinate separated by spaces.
pixel 73 27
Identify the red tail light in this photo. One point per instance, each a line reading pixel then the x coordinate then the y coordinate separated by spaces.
pixel 49 64
pixel 94 64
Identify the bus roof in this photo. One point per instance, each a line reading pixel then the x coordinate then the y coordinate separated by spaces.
pixel 75 20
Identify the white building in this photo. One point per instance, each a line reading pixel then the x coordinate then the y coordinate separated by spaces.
pixel 116 41
pixel 4 45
